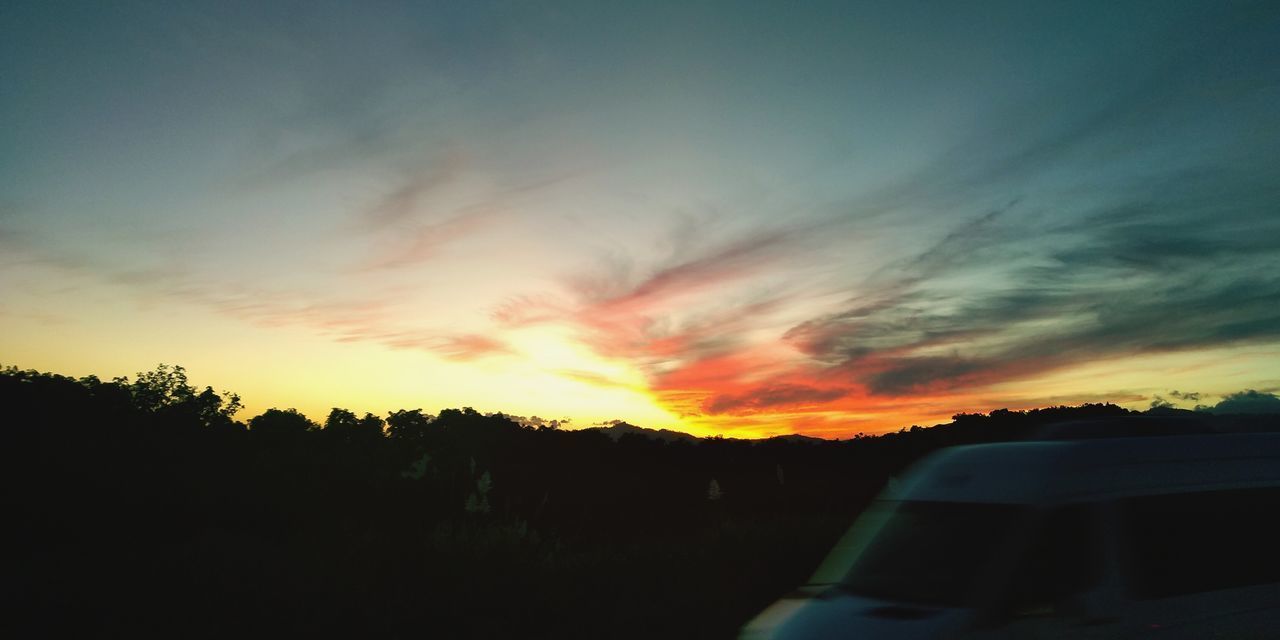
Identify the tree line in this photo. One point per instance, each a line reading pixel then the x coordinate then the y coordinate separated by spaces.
pixel 143 505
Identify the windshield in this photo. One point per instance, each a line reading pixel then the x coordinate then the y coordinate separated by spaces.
pixel 929 552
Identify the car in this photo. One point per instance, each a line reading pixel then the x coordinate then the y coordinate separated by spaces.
pixel 1172 537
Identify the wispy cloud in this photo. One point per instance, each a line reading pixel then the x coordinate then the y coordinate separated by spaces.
pixel 404 202
pixel 614 292
pixel 1150 277
pixel 773 395
pixel 591 378
pixel 428 210
pixel 368 318
pixel 465 347
pixel 663 314
pixel 424 241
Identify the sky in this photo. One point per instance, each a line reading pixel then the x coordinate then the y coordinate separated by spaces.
pixel 732 218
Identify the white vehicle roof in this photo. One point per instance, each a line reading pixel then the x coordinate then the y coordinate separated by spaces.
pixel 1045 472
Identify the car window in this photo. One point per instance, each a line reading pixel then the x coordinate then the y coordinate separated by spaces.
pixel 1064 558
pixel 1203 541
pixel 931 552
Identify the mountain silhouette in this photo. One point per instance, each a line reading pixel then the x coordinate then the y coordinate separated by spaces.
pixel 619 429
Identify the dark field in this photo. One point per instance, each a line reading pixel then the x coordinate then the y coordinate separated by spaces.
pixel 144 507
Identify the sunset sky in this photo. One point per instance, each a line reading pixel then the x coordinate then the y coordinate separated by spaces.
pixel 720 217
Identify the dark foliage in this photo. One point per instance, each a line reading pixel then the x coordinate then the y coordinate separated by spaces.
pixel 144 507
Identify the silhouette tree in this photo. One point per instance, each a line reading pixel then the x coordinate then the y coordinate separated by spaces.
pixel 166 390
pixel 371 425
pixel 340 420
pixel 154 390
pixel 285 422
pixel 408 425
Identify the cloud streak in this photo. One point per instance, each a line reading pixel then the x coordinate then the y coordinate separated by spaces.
pixel 772 396
pixel 1062 263
pixel 424 241
pixel 1147 278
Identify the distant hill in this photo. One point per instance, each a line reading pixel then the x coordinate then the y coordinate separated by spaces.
pixel 619 429
pixel 796 437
